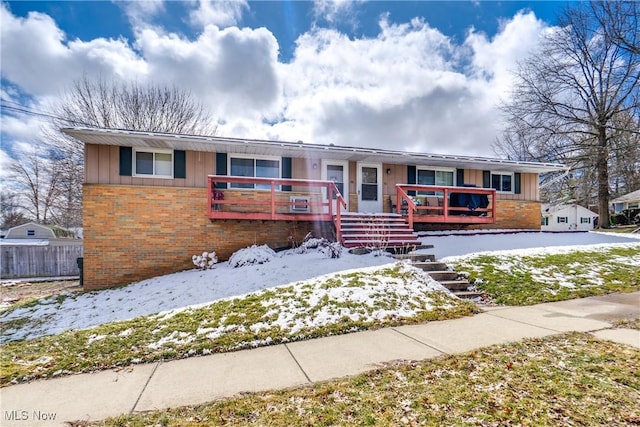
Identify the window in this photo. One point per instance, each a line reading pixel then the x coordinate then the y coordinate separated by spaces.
pixel 584 220
pixel 31 232
pixel 545 220
pixel 254 167
pixel 335 173
pixel 153 163
pixel 563 219
pixel 434 177
pixel 501 181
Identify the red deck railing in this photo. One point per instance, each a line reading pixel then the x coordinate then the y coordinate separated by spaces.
pixel 265 200
pixel 435 205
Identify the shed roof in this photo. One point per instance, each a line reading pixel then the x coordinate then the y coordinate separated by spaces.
pixel 298 149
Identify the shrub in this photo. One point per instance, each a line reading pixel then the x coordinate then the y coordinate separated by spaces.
pixel 205 261
pixel 251 255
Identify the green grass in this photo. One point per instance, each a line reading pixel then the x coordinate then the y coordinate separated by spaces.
pixel 328 306
pixel 570 379
pixel 518 280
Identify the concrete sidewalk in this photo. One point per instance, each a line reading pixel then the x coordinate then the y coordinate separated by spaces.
pixel 202 379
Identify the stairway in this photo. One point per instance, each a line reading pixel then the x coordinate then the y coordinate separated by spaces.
pixel 440 272
pixel 380 231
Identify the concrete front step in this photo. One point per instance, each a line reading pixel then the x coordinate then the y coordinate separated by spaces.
pixel 415 257
pixel 468 294
pixel 439 276
pixel 430 266
pixel 455 285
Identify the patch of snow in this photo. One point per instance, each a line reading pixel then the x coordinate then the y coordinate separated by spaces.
pixel 195 287
pixel 251 256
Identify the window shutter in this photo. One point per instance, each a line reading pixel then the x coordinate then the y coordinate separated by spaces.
pixel 126 160
pixel 486 179
pixel 179 164
pixel 411 178
pixel 516 183
pixel 459 177
pixel 221 168
pixel 286 171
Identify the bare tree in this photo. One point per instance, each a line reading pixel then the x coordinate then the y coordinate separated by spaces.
pixel 568 95
pixel 620 22
pixel 10 213
pixel 96 102
pixel 133 106
pixel 36 179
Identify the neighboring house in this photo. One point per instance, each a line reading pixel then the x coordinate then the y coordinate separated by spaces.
pixel 627 202
pixel 151 200
pixel 564 217
pixel 30 230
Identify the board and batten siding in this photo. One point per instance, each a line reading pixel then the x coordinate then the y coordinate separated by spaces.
pixel 103 167
pixel 529 189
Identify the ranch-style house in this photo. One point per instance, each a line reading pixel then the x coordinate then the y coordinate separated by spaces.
pixel 152 200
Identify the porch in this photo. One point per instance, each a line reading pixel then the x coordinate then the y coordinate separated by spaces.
pixel 284 199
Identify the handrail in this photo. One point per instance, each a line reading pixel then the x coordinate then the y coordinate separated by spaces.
pixel 274 185
pixel 446 208
pixel 411 206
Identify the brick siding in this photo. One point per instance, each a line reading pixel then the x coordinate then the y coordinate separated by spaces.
pixel 135 232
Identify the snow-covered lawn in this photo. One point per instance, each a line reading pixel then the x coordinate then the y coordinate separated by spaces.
pixel 78 311
pixel 292 296
pixel 174 291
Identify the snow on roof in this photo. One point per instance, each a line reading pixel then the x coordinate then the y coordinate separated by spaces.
pixel 121 137
pixel 24 242
pixel 634 196
pixel 550 209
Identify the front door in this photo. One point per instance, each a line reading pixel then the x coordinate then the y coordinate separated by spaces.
pixel 370 187
pixel 338 172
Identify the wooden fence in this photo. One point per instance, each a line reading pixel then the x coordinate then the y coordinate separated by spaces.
pixel 40 261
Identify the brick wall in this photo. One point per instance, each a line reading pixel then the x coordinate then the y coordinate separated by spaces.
pixel 517 214
pixel 135 232
pixel 511 214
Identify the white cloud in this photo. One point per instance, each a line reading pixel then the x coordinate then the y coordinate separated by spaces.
pixel 497 58
pixel 410 87
pixel 223 13
pixel 405 89
pixel 141 13
pixel 334 10
pixel 37 56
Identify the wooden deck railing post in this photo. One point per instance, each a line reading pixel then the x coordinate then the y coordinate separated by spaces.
pixel 445 204
pixel 273 199
pixel 209 196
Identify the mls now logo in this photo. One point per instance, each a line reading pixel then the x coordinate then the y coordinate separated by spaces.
pixel 18 415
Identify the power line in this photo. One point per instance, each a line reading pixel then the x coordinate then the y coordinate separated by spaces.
pixel 20 108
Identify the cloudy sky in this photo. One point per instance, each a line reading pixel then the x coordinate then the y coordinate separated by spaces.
pixel 418 76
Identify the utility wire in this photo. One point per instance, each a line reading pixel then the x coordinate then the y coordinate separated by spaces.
pixel 26 110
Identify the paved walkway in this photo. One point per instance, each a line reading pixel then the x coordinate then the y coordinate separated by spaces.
pixel 203 379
